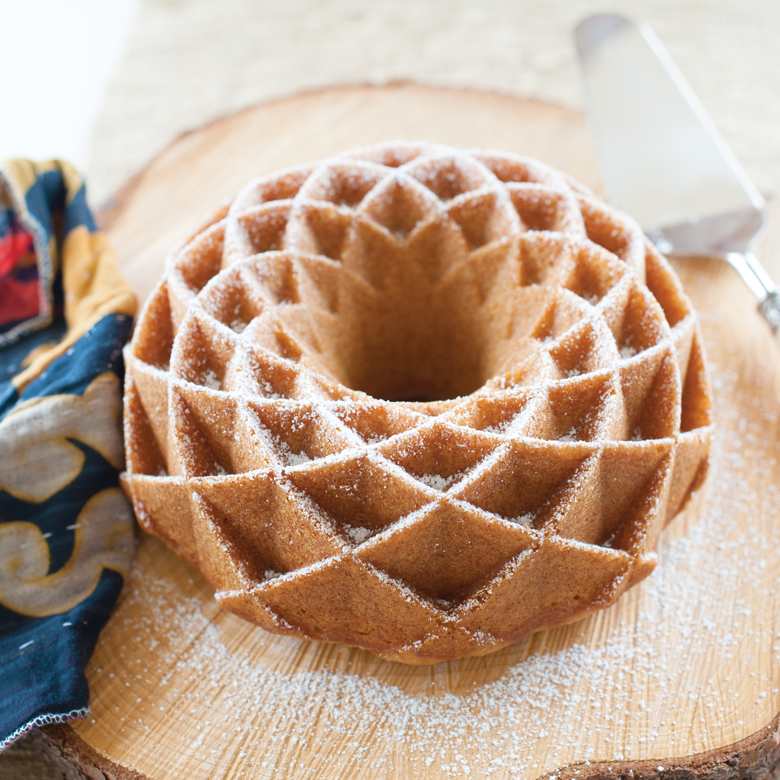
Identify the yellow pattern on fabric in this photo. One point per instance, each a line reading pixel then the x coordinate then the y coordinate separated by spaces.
pixel 103 539
pixel 23 174
pixel 38 460
pixel 93 285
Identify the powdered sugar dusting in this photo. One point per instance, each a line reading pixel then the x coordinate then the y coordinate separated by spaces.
pixel 288 457
pixel 211 380
pixel 438 482
pixel 571 699
pixel 357 533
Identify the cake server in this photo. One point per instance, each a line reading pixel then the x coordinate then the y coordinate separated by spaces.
pixel 661 157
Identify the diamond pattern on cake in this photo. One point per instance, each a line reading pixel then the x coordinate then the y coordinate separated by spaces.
pixel 362 491
pixel 463 548
pixel 546 585
pixel 322 602
pixel 416 400
pixel 270 544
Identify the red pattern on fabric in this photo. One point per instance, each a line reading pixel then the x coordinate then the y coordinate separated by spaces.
pixel 13 247
pixel 18 300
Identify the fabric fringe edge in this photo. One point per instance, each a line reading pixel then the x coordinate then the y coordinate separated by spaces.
pixel 42 720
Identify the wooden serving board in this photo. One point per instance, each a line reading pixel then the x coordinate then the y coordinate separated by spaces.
pixel 681 677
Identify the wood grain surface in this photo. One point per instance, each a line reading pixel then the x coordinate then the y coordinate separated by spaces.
pixel 681 678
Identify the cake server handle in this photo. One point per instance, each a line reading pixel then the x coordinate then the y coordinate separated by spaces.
pixel 760 283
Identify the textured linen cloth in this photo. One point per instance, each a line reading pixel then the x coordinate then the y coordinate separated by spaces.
pixel 191 61
pixel 66 529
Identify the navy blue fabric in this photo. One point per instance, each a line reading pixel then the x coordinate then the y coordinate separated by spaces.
pixel 42 660
pixel 11 358
pixel 78 212
pixel 97 351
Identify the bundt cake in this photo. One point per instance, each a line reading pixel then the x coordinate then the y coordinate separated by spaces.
pixel 415 399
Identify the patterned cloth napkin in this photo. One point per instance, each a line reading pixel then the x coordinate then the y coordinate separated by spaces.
pixel 66 530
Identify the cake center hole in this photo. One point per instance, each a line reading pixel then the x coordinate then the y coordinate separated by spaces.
pixel 413 343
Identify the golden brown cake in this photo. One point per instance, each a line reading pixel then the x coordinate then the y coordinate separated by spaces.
pixel 417 400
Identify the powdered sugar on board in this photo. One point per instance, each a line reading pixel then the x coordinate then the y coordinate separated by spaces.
pixel 684 663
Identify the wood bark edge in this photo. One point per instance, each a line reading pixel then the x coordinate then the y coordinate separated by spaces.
pixel 77 760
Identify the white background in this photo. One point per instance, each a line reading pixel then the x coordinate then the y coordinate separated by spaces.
pixel 56 59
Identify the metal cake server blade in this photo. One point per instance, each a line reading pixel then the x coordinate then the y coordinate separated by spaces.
pixel 661 157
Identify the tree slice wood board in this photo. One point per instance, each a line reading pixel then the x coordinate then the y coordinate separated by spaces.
pixel 680 677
